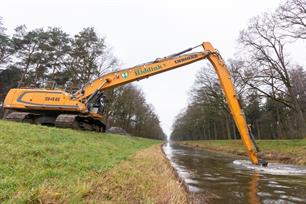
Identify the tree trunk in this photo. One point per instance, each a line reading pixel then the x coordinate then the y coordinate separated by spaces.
pixel 204 133
pixel 209 132
pixel 215 130
pixel 228 130
pixel 257 129
pixel 234 129
pixel 301 125
pixel 278 124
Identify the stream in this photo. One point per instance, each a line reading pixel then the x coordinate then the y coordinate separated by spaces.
pixel 223 178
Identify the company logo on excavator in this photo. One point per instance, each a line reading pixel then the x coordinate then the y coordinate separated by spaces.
pixel 124 75
pixel 147 70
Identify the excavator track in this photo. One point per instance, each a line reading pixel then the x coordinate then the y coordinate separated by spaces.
pixel 79 122
pixel 20 117
pixel 73 121
pixel 66 121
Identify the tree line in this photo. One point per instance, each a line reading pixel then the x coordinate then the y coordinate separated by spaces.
pixel 270 86
pixel 45 57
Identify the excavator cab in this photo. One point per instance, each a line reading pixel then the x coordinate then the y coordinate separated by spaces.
pixel 99 105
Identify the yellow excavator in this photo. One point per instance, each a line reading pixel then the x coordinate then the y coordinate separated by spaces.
pixel 83 109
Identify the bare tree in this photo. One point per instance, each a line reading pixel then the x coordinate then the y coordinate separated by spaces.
pixel 266 64
pixel 298 78
pixel 291 16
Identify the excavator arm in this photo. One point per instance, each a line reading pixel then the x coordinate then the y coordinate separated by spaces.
pixel 233 102
pixel 139 72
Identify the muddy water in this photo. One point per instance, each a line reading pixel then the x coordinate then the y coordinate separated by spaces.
pixel 216 176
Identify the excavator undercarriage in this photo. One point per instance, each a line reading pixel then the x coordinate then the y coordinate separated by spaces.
pixel 68 120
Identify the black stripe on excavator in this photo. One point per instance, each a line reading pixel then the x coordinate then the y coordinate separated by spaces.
pixel 19 99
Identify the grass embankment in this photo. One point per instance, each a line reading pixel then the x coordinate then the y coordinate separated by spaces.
pixel 147 177
pixel 41 164
pixel 285 151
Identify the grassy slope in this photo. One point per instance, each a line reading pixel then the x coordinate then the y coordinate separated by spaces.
pixel 287 151
pixel 39 160
pixel 146 177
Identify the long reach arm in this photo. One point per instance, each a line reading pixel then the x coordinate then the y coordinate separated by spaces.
pixel 168 63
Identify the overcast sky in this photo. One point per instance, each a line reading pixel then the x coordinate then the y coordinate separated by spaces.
pixel 140 31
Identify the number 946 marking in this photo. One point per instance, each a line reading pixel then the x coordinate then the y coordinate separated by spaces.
pixel 52 99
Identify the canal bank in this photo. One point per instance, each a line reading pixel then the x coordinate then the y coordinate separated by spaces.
pixel 145 177
pixel 283 151
pixel 41 164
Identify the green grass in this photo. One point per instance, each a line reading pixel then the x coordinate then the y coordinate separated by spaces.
pixel 285 146
pixel 38 160
pixel 288 151
pixel 146 177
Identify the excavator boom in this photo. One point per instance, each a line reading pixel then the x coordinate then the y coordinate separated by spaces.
pixel 232 100
pixel 138 72
pixel 79 110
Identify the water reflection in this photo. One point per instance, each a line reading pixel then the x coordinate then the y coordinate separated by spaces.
pixel 253 198
pixel 215 175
